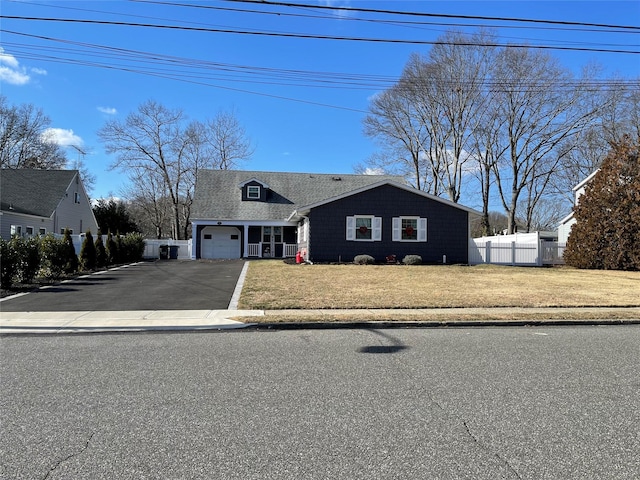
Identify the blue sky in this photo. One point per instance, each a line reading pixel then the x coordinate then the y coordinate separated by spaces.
pixel 301 101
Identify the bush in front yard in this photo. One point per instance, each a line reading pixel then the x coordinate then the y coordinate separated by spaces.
pixel 101 253
pixel 412 260
pixel 54 256
pixel 71 265
pixel 111 249
pixel 88 253
pixel 364 260
pixel 27 252
pixel 8 263
pixel 606 234
pixel 132 247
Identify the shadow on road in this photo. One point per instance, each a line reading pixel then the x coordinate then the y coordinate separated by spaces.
pixel 393 345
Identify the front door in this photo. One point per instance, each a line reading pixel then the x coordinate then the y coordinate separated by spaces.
pixel 271 241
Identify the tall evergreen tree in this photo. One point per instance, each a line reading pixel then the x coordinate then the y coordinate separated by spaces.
pixel 88 253
pixel 71 265
pixel 111 249
pixel 101 254
pixel 607 230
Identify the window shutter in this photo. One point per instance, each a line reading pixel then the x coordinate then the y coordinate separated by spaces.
pixel 351 228
pixel 395 231
pixel 377 229
pixel 422 230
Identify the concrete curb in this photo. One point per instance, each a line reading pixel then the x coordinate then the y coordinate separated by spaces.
pixel 436 324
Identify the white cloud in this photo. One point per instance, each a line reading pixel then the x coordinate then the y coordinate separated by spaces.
pixel 339 6
pixel 373 171
pixel 63 137
pixel 11 71
pixel 108 110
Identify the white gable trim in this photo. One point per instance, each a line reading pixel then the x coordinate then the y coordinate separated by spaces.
pixel 253 179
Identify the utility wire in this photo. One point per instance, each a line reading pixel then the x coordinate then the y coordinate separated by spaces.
pixel 438 15
pixel 146 62
pixel 309 36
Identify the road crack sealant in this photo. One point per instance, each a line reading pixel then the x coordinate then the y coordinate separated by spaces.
pixel 69 457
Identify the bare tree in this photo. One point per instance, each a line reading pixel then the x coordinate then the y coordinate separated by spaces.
pixel 447 88
pixel 434 110
pixel 226 141
pixel 23 139
pixel 393 122
pixel 148 204
pixel 543 107
pixel 150 142
pixel 162 155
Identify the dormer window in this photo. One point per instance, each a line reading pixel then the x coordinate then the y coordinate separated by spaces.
pixel 253 192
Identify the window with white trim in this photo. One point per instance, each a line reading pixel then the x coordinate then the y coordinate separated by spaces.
pixel 364 228
pixel 42 231
pixel 29 231
pixel 16 230
pixel 76 197
pixel 253 192
pixel 409 229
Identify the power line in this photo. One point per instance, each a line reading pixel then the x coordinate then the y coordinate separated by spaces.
pixel 311 36
pixel 437 15
pixel 192 68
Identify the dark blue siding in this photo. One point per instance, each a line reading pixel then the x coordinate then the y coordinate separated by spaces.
pixel 447 227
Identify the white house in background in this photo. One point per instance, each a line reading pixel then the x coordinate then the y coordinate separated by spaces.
pixel 567 222
pixel 37 202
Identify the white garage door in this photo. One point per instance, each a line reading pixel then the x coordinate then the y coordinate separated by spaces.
pixel 220 242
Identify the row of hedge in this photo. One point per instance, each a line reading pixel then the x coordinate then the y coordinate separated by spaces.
pixel 24 259
pixel 369 260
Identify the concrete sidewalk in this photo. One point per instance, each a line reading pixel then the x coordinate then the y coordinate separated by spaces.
pixel 198 320
pixel 121 321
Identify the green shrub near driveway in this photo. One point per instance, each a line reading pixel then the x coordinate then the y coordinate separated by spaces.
pixel 27 251
pixel 54 256
pixel 8 263
pixel 88 253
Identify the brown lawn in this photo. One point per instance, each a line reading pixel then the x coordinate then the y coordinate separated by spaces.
pixel 274 285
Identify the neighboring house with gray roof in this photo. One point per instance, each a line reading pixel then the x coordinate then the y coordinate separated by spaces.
pixel 37 202
pixel 324 217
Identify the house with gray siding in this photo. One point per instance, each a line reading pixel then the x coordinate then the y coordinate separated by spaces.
pixel 324 218
pixel 37 202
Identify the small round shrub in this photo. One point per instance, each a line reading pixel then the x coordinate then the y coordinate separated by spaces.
pixel 364 260
pixel 412 260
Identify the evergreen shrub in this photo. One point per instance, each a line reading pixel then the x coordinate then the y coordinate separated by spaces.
pixel 412 260
pixel 364 260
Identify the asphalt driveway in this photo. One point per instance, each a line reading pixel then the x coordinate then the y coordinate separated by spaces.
pixel 158 285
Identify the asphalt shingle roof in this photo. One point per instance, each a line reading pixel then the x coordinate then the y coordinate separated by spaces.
pixel 33 192
pixel 218 195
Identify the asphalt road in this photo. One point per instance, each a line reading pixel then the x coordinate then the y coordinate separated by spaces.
pixel 481 403
pixel 159 285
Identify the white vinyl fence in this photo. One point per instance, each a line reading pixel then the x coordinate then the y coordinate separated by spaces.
pixel 525 249
pixel 177 249
pixel 181 248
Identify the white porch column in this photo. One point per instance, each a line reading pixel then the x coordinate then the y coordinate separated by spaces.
pixel 245 240
pixel 194 240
